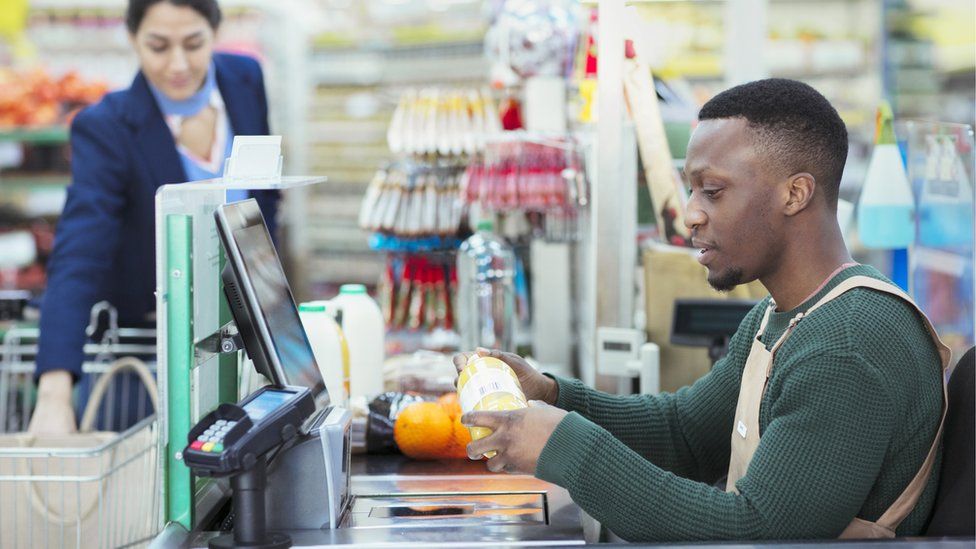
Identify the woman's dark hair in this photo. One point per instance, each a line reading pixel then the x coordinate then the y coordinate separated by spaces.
pixel 137 9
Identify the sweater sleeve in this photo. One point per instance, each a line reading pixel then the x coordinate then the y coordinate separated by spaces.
pixel 686 432
pixel 814 467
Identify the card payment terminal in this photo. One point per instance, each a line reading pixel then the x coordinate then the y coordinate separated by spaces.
pixel 233 440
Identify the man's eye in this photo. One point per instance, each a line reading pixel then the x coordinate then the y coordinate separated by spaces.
pixel 194 46
pixel 156 48
pixel 711 193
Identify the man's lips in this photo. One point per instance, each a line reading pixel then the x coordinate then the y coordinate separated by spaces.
pixel 706 251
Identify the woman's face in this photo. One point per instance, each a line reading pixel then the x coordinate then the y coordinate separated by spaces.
pixel 174 45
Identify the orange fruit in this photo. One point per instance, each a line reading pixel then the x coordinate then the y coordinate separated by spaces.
pixel 423 430
pixel 459 441
pixel 451 404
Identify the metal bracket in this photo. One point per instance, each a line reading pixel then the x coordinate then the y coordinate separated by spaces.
pixel 224 341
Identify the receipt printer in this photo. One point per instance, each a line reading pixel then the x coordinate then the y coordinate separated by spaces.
pixel 308 484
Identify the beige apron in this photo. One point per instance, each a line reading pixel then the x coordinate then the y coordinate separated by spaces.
pixel 759 365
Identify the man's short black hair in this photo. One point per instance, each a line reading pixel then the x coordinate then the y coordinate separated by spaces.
pixel 137 9
pixel 796 127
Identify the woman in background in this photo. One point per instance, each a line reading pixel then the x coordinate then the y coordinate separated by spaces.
pixel 175 123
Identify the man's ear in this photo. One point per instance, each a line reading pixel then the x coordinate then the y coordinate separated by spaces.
pixel 801 188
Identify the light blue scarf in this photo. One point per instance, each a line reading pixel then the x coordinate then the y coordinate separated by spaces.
pixel 189 107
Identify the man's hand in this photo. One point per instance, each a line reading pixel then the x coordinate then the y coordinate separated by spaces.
pixel 53 414
pixel 517 437
pixel 535 386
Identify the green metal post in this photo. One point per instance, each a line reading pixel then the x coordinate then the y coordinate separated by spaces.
pixel 179 352
pixel 227 389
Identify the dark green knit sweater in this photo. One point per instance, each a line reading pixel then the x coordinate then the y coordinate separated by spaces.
pixel 851 410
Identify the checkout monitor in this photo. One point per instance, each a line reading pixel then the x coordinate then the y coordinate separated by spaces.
pixel 262 304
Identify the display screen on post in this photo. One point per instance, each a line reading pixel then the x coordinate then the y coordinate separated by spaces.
pixel 284 324
pixel 270 308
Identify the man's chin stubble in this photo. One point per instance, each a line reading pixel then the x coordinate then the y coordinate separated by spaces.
pixel 727 281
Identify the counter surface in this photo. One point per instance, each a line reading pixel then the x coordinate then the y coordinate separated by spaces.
pixel 404 503
pixel 374 476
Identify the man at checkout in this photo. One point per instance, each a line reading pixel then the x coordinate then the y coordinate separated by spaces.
pixel 826 413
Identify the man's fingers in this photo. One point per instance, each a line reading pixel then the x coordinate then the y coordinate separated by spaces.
pixel 511 359
pixel 478 448
pixel 497 464
pixel 492 420
pixel 461 360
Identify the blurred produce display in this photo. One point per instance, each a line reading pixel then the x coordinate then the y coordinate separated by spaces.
pixel 35 98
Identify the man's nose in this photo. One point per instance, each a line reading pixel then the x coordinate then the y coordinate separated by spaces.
pixel 694 215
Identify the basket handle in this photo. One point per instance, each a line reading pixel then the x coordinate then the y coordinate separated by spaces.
pixel 101 386
pixel 87 422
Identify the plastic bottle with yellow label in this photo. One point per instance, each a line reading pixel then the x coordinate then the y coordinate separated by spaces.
pixel 488 384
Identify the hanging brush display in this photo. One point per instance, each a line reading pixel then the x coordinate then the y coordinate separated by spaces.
pixel 414 200
pixel 442 122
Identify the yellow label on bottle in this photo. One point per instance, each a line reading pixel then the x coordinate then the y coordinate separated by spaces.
pixel 488 385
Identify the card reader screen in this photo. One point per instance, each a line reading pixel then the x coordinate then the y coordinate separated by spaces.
pixel 265 403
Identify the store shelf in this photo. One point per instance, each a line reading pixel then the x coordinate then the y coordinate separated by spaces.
pixel 36 136
pixel 400 65
pixel 34 182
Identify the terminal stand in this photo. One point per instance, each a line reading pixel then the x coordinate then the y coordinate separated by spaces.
pixel 249 513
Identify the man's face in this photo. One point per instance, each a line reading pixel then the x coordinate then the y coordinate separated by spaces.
pixel 174 45
pixel 730 212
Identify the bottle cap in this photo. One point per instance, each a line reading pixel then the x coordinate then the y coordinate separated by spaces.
pixel 884 131
pixel 312 307
pixel 352 289
pixel 485 225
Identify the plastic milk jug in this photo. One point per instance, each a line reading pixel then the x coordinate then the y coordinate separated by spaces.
pixel 329 347
pixel 362 323
pixel 488 384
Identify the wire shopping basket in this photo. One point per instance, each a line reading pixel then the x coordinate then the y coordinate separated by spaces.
pixel 95 488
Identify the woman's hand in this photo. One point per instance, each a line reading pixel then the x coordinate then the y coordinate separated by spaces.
pixel 535 386
pixel 53 414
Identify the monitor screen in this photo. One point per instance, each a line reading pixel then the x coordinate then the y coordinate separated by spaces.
pixel 701 321
pixel 262 302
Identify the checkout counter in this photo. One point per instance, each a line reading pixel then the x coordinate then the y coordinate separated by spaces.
pixel 275 469
pixel 282 454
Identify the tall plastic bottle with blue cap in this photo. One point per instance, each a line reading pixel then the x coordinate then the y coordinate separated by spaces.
pixel 886 209
pixel 363 326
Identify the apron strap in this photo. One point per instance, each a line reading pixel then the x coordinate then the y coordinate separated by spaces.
pixel 765 318
pixel 906 501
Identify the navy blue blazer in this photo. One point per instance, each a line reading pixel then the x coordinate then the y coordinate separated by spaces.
pixel 104 248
